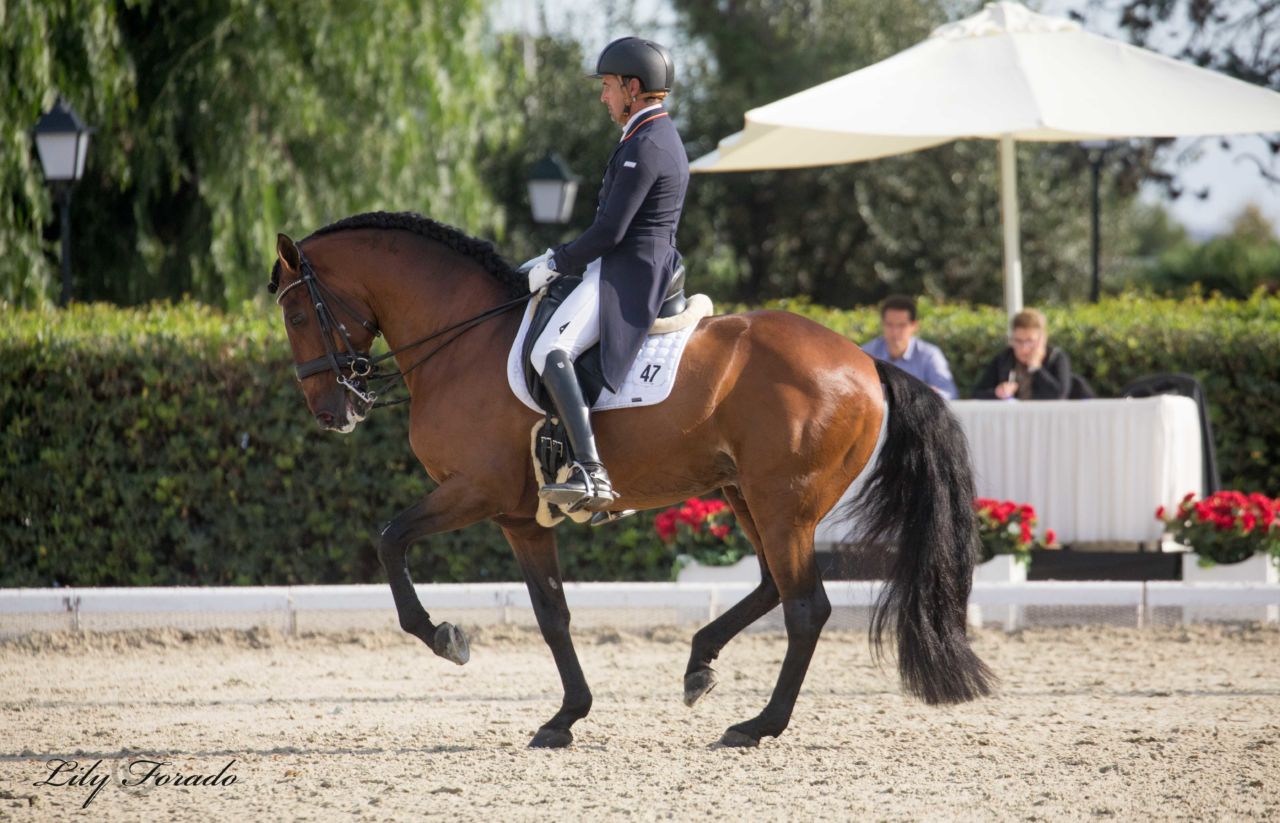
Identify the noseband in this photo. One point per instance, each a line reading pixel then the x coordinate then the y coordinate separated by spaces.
pixel 361 365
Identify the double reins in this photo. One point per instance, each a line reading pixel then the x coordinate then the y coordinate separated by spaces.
pixel 361 365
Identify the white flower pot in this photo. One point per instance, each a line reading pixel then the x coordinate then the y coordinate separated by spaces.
pixel 1257 569
pixel 746 570
pixel 1003 568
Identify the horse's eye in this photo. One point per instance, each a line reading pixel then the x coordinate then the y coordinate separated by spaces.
pixel 297 319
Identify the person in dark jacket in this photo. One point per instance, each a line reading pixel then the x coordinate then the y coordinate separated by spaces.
pixel 628 257
pixel 1030 369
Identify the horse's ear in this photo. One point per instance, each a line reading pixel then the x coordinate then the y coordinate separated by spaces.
pixel 288 253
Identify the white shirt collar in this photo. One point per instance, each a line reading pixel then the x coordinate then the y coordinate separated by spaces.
pixel 636 116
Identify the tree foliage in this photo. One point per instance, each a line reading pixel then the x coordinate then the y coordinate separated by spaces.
pixel 1240 38
pixel 221 122
pixel 1235 265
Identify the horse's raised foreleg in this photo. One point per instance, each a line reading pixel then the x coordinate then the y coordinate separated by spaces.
pixel 452 505
pixel 805 608
pixel 699 677
pixel 535 549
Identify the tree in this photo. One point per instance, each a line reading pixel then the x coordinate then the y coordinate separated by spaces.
pixel 1240 38
pixel 1235 264
pixel 221 122
pixel 74 47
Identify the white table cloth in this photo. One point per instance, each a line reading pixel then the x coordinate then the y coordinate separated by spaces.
pixel 1095 470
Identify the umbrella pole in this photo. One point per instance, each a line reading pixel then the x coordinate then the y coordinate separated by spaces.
pixel 1009 219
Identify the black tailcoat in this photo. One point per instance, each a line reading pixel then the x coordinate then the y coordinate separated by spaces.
pixel 634 235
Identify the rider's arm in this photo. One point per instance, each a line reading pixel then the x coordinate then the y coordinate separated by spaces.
pixel 637 167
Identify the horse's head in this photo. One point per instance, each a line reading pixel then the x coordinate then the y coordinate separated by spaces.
pixel 330 332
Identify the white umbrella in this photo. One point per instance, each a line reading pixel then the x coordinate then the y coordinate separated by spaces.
pixel 1003 74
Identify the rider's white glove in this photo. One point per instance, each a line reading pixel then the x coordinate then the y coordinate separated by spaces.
pixel 541 271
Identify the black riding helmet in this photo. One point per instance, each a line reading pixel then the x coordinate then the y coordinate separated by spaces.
pixel 645 60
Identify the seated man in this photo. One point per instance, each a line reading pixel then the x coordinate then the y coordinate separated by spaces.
pixel 898 345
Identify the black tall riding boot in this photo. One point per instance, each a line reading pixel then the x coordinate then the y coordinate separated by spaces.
pixel 587 486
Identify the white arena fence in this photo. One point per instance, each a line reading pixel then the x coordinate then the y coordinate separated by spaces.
pixel 634 606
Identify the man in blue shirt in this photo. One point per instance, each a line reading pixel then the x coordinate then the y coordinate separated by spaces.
pixel 898 345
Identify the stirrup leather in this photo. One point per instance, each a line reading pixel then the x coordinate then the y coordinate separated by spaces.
pixel 588 487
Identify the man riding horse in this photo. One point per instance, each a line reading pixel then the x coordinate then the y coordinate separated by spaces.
pixel 629 256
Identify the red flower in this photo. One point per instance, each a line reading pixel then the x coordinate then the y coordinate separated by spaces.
pixel 1160 513
pixel 1188 497
pixel 1026 533
pixel 1050 537
pixel 721 531
pixel 1248 521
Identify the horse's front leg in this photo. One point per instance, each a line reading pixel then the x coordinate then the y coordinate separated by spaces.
pixel 535 550
pixel 453 505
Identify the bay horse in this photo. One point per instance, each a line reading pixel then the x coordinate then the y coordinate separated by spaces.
pixel 777 412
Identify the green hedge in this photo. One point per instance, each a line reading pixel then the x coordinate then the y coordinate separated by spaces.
pixel 170 445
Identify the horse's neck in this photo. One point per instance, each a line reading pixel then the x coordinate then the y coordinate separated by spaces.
pixel 418 295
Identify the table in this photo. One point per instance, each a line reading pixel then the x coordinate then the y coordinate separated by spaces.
pixel 1095 470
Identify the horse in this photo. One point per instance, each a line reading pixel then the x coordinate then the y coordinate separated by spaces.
pixel 778 413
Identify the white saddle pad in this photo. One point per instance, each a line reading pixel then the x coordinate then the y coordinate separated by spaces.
pixel 652 375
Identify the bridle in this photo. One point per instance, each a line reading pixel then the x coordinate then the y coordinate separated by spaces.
pixel 363 367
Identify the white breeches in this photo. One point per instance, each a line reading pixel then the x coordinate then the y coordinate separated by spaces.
pixel 575 326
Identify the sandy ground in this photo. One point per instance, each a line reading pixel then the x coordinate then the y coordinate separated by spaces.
pixel 1090 723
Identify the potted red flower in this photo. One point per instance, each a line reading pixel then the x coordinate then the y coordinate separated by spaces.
pixel 705 537
pixel 1007 531
pixel 1237 533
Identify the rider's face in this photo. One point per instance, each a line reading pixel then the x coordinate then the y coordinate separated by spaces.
pixel 615 97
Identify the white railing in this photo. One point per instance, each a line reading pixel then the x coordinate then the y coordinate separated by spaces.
pixel 291 609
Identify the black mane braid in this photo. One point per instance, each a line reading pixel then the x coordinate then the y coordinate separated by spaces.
pixel 481 251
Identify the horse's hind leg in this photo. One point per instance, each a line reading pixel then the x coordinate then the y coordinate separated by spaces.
pixel 788 548
pixel 535 549
pixel 699 677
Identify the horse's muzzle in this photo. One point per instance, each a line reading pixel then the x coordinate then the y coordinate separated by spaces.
pixel 345 419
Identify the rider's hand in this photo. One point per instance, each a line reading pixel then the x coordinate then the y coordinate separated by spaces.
pixel 541 271
pixel 528 265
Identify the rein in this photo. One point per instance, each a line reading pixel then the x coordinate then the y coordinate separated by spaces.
pixel 360 364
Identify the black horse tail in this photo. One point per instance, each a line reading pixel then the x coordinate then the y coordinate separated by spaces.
pixel 918 503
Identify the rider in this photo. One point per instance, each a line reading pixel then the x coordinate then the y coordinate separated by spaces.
pixel 629 253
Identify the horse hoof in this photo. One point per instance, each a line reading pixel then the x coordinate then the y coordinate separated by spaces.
pixel 551 738
pixel 451 644
pixel 739 740
pixel 698 683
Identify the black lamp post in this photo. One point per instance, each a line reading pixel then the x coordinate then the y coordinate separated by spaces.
pixel 552 189
pixel 1097 150
pixel 62 139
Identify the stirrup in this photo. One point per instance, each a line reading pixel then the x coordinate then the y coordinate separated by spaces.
pixel 600 518
pixel 584 489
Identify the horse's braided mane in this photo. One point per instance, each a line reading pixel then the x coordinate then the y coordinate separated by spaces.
pixel 481 251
